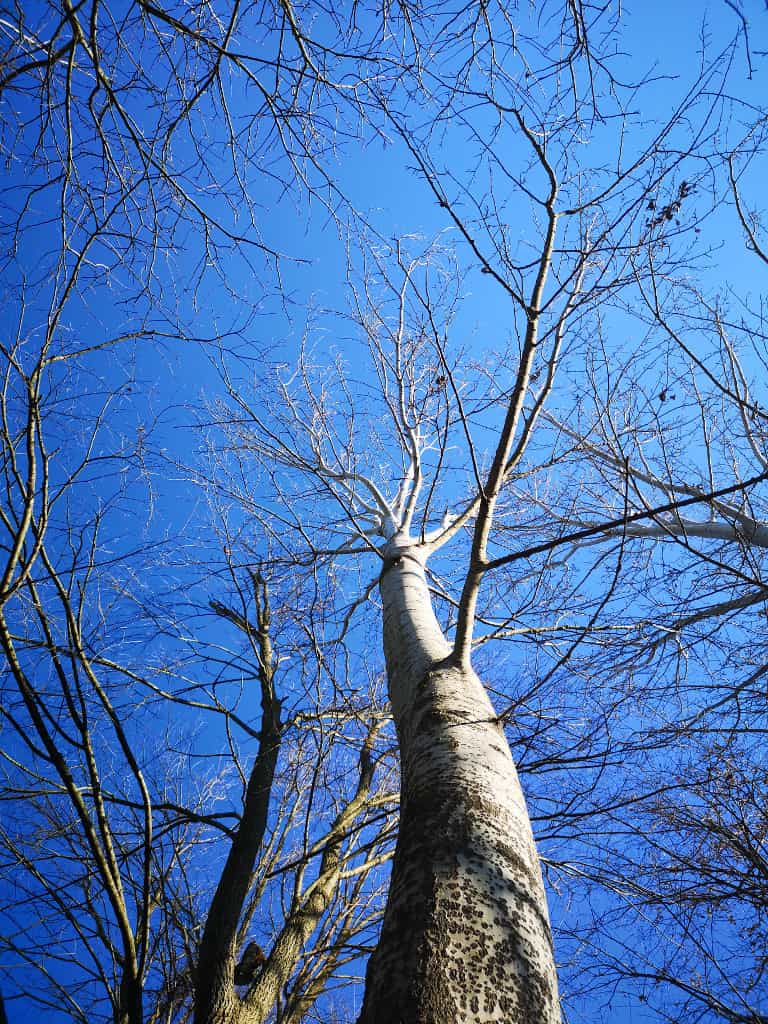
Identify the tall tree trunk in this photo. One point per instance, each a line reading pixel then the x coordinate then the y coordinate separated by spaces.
pixel 466 934
pixel 216 1001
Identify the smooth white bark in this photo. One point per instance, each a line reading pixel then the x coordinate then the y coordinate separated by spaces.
pixel 751 531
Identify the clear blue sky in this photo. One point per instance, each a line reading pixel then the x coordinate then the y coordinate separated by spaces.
pixel 166 383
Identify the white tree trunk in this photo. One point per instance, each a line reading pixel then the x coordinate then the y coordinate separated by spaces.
pixel 466 934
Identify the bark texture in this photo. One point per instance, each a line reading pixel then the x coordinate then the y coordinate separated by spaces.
pixel 216 1001
pixel 466 935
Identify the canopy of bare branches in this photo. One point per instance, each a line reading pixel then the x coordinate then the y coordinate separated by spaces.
pixel 296 295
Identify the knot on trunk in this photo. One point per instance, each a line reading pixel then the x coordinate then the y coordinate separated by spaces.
pixel 395 557
pixel 250 963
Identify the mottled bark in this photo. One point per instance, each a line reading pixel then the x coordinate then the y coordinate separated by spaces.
pixel 466 935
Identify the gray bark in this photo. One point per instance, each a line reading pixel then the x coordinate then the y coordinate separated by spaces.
pixel 216 1001
pixel 466 935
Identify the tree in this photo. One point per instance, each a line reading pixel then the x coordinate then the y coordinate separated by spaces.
pixel 116 164
pixel 422 388
pixel 678 458
pixel 108 843
pixel 346 478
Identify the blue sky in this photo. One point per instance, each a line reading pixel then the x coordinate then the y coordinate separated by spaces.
pixel 165 384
